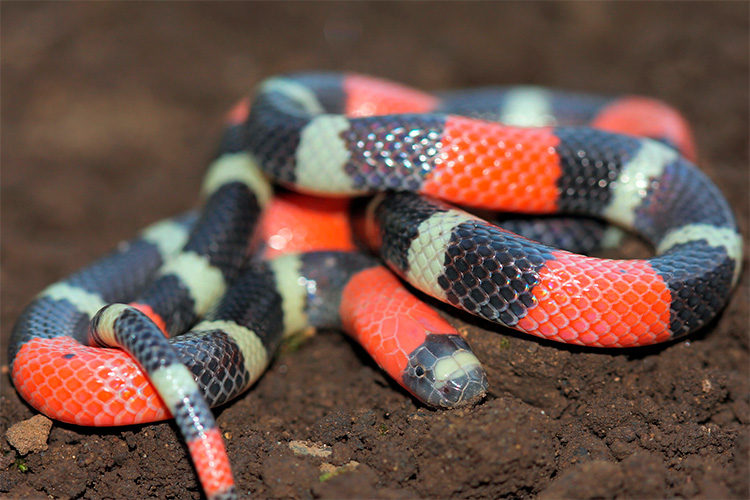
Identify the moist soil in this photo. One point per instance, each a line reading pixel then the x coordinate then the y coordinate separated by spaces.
pixel 110 112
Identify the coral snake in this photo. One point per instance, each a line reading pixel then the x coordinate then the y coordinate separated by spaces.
pixel 516 149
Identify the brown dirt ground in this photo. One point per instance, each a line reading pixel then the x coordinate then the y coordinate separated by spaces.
pixel 109 114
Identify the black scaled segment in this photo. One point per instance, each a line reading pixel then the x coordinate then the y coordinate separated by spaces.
pixel 272 133
pixel 140 337
pixel 187 412
pixel 171 300
pixel 568 109
pixel 216 362
pixel 490 272
pixel 119 274
pixel 221 235
pixel 480 104
pixel 591 160
pixel 571 109
pixel 330 272
pixel 327 87
pixel 573 233
pixel 392 151
pixel 253 302
pixel 399 216
pixel 46 318
pixel 682 195
pixel 698 291
pixel 213 356
pixel 229 217
pixel 232 139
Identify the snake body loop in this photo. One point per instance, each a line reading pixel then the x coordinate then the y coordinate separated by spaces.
pixel 204 318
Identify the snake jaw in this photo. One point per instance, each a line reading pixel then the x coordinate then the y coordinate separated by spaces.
pixel 443 372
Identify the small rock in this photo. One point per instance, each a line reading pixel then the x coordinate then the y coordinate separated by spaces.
pixel 301 448
pixel 30 435
pixel 329 470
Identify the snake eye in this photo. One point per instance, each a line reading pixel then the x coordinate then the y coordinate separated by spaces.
pixel 419 371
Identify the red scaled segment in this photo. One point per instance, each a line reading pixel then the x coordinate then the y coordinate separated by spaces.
pixel 301 223
pixel 85 385
pixel 648 118
pixel 211 463
pixel 238 113
pixel 488 165
pixel 602 303
pixel 386 319
pixel 367 96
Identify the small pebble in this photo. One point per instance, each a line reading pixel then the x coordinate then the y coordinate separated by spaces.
pixel 301 448
pixel 30 435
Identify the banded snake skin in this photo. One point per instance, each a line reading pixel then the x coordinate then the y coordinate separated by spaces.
pixel 522 149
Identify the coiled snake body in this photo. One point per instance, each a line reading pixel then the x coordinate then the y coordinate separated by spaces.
pixel 348 135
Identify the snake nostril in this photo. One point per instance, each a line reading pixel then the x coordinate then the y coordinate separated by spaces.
pixel 419 371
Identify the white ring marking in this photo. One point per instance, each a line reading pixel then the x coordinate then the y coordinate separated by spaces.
pixel 631 186
pixel 460 363
pixel 174 383
pixel 166 235
pixel 322 156
pixel 238 167
pixel 527 107
pixel 204 282
pixel 427 252
pixel 256 357
pixel 83 300
pixel 716 237
pixel 295 91
pixel 293 289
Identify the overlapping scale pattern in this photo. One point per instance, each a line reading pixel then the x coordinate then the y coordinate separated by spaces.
pixel 397 218
pixel 591 160
pixel 694 198
pixel 490 272
pixel 85 385
pixel 408 339
pixel 484 164
pixel 212 465
pixel 217 363
pixel 272 137
pixel 698 292
pixel 598 302
pixel 386 319
pixel 392 152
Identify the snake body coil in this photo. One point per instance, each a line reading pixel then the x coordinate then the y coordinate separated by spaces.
pixel 351 135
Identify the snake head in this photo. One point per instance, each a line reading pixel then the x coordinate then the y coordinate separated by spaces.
pixel 444 372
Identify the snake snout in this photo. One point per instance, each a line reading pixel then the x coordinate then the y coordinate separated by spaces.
pixel 444 372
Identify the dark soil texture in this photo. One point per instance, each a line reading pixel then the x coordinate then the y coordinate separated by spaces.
pixel 110 112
